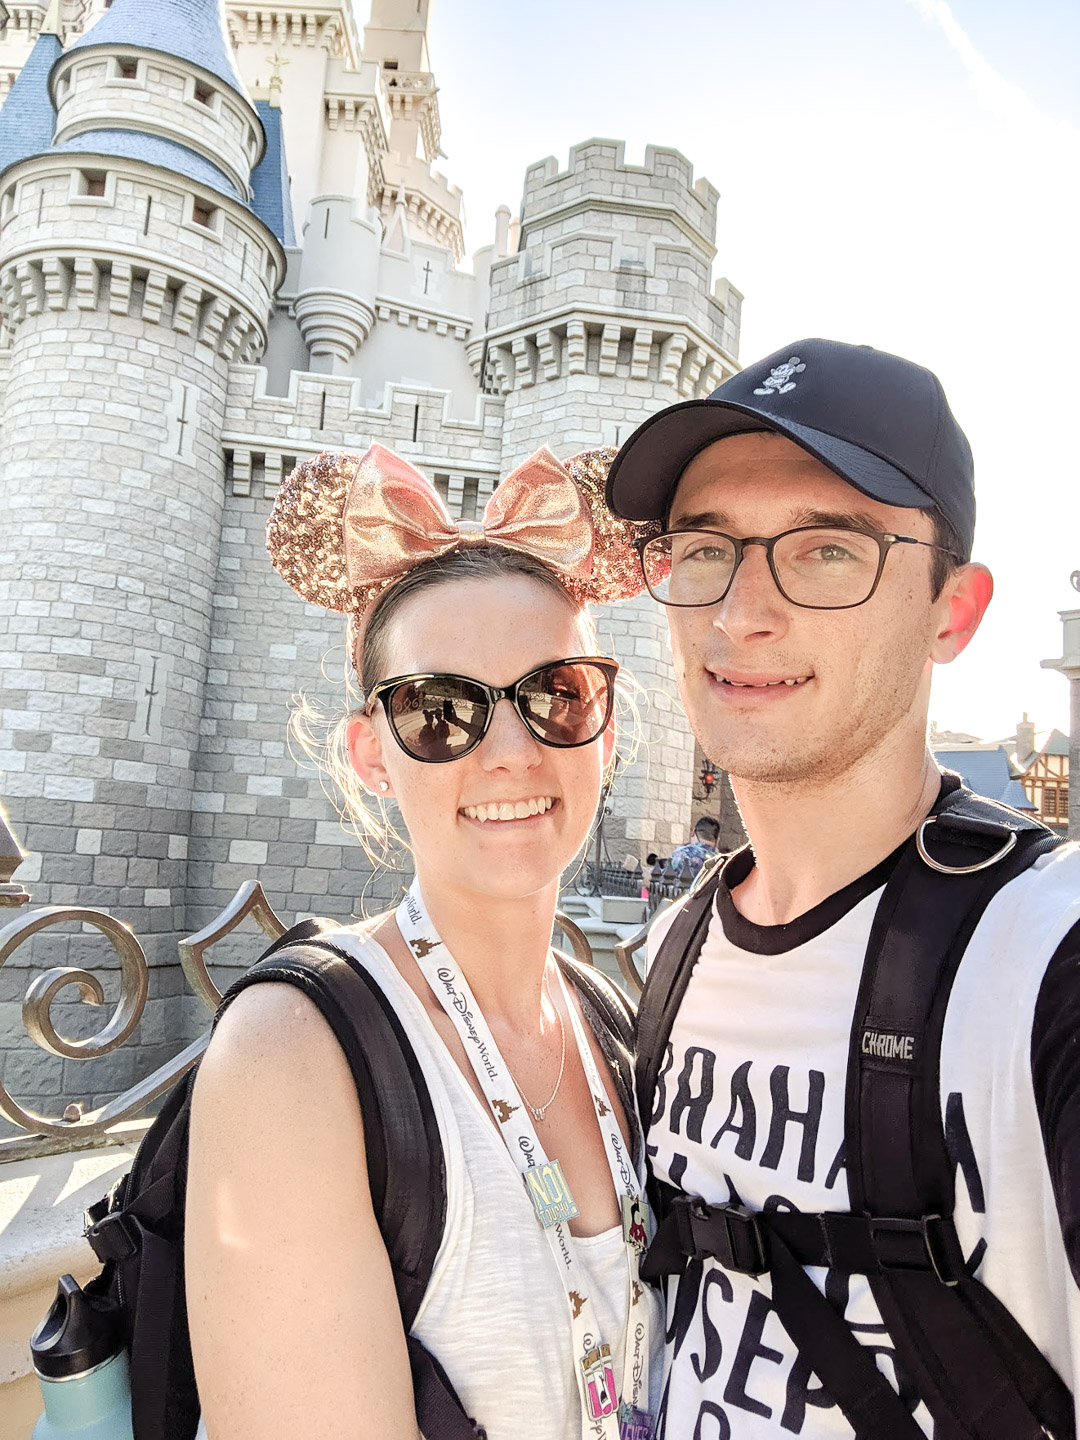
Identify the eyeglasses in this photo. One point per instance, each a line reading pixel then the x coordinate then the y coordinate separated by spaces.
pixel 816 567
pixel 436 717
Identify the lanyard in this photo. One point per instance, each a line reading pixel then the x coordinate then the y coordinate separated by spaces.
pixel 603 1416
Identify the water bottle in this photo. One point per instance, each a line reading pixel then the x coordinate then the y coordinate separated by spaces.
pixel 82 1365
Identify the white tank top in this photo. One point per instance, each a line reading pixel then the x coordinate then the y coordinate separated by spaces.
pixel 495 1313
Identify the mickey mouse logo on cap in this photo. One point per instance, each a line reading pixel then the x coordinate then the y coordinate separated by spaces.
pixel 780 381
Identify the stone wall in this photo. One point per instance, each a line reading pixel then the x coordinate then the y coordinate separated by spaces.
pixel 112 461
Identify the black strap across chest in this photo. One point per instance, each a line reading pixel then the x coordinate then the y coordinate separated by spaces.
pixel 957 1347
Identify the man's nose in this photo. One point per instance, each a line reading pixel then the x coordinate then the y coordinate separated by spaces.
pixel 753 605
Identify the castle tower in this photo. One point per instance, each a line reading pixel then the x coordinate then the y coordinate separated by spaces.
pixel 302 49
pixel 602 316
pixel 416 201
pixel 133 270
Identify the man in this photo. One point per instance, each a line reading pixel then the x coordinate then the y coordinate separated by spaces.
pixel 818 515
pixel 689 858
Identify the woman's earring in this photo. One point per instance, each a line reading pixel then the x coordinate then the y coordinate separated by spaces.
pixel 384 786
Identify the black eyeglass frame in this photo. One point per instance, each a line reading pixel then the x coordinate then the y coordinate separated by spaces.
pixel 384 690
pixel 884 542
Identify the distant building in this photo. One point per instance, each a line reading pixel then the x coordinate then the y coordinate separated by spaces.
pixel 1068 665
pixel 1043 762
pixel 985 768
pixel 1028 770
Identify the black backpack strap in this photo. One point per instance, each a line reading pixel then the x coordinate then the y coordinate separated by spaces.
pixel 406 1164
pixel 610 1015
pixel 666 982
pixel 137 1232
pixel 608 1002
pixel 962 1351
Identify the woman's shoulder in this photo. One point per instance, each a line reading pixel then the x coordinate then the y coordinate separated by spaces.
pixel 273 1036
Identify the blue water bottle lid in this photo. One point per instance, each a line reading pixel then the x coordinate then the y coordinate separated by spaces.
pixel 78 1334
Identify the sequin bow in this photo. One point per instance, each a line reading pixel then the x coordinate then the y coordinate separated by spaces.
pixel 394 518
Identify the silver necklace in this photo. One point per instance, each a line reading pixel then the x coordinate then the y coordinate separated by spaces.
pixel 539 1111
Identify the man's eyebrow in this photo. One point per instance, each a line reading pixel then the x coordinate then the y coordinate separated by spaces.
pixel 842 519
pixel 836 519
pixel 703 520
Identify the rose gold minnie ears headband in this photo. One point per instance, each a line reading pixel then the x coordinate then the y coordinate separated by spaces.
pixel 344 527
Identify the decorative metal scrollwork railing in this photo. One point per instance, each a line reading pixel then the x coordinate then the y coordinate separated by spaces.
pixel 77 1128
pixel 42 1134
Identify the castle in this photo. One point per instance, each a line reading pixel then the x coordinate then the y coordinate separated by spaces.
pixel 224 247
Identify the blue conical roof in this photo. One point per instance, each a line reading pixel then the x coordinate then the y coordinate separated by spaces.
pixel 271 198
pixel 28 120
pixel 192 30
pixel 151 150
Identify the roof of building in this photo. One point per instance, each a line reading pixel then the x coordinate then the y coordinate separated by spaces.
pixel 987 772
pixel 28 119
pixel 192 30
pixel 271 196
pixel 1016 796
pixel 1055 743
pixel 151 150
pixel 1047 742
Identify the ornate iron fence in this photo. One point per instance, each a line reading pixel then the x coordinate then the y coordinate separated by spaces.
pixel 77 1127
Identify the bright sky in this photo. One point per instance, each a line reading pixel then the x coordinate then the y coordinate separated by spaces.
pixel 902 173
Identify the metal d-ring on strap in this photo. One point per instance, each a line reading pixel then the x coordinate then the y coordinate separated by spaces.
pixel 920 845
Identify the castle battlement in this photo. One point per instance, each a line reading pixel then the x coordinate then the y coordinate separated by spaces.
pixel 325 412
pixel 330 26
pixel 165 253
pixel 598 174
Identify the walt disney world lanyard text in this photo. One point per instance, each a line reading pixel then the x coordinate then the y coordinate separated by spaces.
pixel 603 1416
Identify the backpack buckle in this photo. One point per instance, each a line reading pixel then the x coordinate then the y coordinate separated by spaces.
pixel 729 1234
pixel 112 1237
pixel 929 1243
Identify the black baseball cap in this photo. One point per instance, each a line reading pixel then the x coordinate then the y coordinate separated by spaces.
pixel 881 422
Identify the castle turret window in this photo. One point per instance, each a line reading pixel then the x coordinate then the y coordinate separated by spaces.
pixel 127 69
pixel 203 214
pixel 92 183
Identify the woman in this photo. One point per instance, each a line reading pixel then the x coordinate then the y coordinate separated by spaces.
pixel 294 1319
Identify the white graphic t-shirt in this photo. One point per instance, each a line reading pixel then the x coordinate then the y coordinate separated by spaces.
pixel 750 1108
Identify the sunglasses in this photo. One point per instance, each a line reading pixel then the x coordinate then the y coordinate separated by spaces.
pixel 436 717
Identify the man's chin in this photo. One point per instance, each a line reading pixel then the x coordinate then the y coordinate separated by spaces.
pixel 756 762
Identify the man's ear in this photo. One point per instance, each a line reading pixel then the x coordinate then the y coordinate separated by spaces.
pixel 963 603
pixel 365 752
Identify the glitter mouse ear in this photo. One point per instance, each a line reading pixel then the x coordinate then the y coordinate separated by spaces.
pixel 304 533
pixel 616 571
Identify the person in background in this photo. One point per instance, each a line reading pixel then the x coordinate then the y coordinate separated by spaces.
pixel 689 858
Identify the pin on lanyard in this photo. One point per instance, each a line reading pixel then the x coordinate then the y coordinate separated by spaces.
pixel 603 1416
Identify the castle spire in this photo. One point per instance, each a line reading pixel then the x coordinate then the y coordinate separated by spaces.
pixel 51 24
pixel 28 118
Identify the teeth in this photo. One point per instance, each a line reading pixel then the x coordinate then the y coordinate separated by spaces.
pixel 767 685
pixel 509 809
